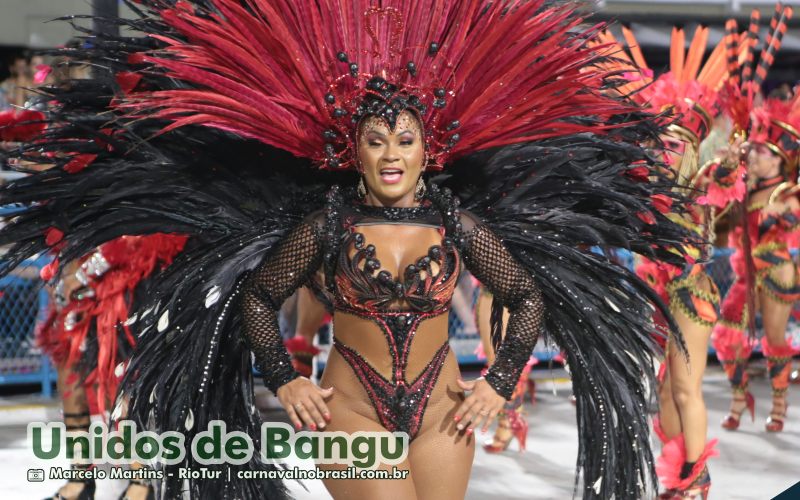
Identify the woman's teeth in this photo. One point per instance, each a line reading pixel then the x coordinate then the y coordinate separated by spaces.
pixel 391 176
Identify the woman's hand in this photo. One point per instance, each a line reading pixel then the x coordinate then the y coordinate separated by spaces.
pixel 774 209
pixel 304 401
pixel 482 405
pixel 735 152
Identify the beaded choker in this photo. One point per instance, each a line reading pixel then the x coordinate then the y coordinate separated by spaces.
pixel 396 213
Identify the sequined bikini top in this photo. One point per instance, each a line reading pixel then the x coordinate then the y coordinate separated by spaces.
pixel 426 286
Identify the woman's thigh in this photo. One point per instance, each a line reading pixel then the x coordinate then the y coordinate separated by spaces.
pixel 440 455
pixel 357 489
pixel 351 412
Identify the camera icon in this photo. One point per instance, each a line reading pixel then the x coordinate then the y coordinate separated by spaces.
pixel 35 475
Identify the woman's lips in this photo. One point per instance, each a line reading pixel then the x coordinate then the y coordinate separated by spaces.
pixel 391 175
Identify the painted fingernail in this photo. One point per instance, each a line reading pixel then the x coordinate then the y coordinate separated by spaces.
pixel 298 427
pixel 469 431
pixel 321 425
pixel 313 427
pixel 456 418
pixel 460 427
pixel 327 416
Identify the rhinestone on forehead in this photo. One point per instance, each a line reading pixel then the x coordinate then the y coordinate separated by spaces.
pixel 406 122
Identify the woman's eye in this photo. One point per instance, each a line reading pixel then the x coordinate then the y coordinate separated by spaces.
pixel 374 143
pixel 406 142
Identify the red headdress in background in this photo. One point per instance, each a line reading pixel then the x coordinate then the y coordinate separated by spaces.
pixel 304 84
pixel 738 98
pixel 687 89
pixel 776 123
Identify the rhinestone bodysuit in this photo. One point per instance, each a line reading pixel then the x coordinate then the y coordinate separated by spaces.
pixel 355 284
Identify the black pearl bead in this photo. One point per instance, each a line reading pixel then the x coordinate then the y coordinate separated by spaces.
pixel 329 149
pixel 412 68
pixel 439 103
pixel 342 56
pixel 433 48
pixel 329 135
pixel 453 125
pixel 439 92
pixel 354 69
pixel 435 252
pixel 330 98
pixel 339 112
pixel 384 277
pixel 333 163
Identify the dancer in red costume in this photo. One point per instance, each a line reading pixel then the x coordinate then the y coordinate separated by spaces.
pixel 87 332
pixel 771 275
pixel 689 93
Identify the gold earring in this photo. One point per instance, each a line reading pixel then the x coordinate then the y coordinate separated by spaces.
pixel 361 190
pixel 419 192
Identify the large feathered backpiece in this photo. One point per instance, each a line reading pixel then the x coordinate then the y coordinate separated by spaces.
pixel 230 119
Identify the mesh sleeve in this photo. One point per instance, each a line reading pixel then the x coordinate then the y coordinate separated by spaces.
pixel 296 259
pixel 489 261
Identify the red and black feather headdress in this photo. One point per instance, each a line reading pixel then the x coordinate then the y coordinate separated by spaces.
pixel 295 75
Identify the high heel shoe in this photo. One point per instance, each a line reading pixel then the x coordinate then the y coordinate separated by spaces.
pixel 671 467
pixel 733 418
pixel 87 493
pixel 517 427
pixel 77 422
pixel 151 494
pixel 775 420
pixel 699 487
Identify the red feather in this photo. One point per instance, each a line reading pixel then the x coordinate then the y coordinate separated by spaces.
pixel 21 126
pixel 262 69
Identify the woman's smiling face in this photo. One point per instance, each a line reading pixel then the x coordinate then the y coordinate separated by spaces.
pixel 391 160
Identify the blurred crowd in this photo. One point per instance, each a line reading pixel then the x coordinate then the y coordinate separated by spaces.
pixel 18 73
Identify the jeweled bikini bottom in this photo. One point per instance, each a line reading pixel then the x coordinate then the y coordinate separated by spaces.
pixel 399 403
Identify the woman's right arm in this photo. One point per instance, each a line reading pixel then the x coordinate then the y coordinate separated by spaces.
pixel 285 270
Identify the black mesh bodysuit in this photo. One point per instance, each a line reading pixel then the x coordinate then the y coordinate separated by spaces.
pixel 396 304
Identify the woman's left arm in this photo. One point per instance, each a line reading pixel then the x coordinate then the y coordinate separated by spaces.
pixel 489 260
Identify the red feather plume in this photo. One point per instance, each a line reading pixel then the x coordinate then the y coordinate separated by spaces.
pixel 289 72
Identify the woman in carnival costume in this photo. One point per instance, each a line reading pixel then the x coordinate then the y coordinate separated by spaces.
pixel 688 91
pixel 762 263
pixel 213 125
pixel 766 275
pixel 85 332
